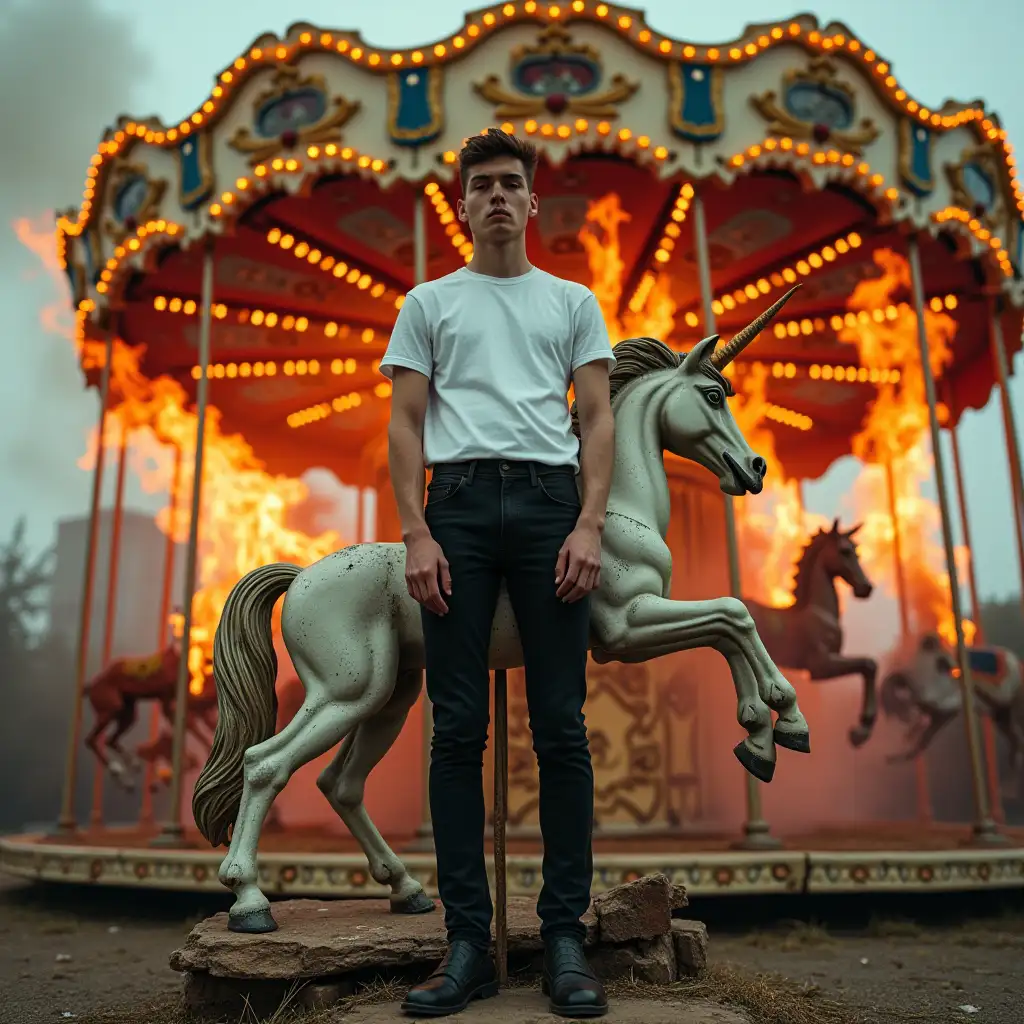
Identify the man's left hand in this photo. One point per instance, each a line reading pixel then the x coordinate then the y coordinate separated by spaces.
pixel 578 569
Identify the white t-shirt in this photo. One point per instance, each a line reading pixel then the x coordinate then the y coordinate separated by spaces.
pixel 500 353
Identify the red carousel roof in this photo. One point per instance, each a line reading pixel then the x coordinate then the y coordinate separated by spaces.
pixel 314 238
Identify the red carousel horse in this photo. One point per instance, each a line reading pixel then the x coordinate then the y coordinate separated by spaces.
pixel 115 694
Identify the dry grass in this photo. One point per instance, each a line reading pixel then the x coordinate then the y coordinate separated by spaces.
pixel 766 998
pixel 790 936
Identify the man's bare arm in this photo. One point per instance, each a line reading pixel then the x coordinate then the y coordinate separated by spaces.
pixel 597 445
pixel 405 448
pixel 427 573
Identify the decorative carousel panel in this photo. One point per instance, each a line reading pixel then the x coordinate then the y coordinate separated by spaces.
pixel 816 105
pixel 642 723
pixel 977 185
pixel 415 105
pixel 295 110
pixel 556 76
pixel 696 108
pixel 134 198
pixel 196 179
pixel 916 157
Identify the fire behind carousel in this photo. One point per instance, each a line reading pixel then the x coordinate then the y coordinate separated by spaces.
pixel 235 276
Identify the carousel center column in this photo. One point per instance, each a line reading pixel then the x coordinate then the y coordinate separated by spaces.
pixel 425 832
pixel 756 831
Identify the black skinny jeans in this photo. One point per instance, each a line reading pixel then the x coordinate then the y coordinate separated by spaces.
pixel 496 520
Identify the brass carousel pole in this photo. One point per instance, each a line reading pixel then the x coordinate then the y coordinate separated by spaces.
pixel 987 730
pixel 172 833
pixel 66 823
pixel 1002 367
pixel 110 614
pixel 756 831
pixel 425 832
pixel 924 798
pixel 146 813
pixel 984 829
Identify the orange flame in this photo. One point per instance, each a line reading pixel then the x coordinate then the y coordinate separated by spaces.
pixel 245 509
pixel 600 240
pixel 773 526
pixel 896 430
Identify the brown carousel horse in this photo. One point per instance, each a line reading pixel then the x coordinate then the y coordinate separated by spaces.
pixel 115 693
pixel 808 635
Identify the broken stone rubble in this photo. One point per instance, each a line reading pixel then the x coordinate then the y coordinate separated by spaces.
pixel 330 948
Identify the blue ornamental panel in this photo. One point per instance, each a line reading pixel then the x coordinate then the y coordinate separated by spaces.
pixel 90 255
pixel 696 111
pixel 916 157
pixel 195 170
pixel 415 106
pixel 979 186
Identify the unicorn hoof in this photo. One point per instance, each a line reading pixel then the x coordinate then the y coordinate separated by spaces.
pixel 417 903
pixel 252 922
pixel 760 767
pixel 798 741
pixel 859 735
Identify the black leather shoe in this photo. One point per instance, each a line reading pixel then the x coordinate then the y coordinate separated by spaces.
pixel 570 982
pixel 466 973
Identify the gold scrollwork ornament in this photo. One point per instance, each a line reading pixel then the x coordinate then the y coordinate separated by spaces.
pixel 326 129
pixel 822 74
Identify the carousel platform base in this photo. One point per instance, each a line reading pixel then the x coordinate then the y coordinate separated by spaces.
pixel 298 862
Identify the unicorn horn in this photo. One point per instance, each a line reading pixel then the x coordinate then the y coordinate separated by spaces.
pixel 729 351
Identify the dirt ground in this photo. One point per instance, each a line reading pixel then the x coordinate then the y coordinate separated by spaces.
pixel 96 955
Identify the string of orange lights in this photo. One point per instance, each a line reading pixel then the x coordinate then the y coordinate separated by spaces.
pixel 339 268
pixel 446 215
pixel 631 26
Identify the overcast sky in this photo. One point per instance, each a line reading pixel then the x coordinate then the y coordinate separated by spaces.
pixel 71 66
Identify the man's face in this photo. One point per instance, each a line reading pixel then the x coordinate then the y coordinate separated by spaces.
pixel 497 201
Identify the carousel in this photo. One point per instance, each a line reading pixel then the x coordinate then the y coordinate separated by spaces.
pixel 235 277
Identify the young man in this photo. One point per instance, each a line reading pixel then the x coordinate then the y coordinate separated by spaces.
pixel 481 362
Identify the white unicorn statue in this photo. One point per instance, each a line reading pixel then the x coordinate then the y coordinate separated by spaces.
pixel 354 633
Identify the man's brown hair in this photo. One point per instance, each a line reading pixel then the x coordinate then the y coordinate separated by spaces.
pixel 496 143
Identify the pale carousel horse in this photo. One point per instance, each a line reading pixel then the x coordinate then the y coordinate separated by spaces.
pixel 923 691
pixel 355 638
pixel 808 635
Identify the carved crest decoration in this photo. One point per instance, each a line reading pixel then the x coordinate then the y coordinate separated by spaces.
pixel 556 76
pixel 977 185
pixel 816 106
pixel 134 199
pixel 293 111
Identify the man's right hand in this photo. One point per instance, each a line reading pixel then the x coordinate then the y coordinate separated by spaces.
pixel 427 574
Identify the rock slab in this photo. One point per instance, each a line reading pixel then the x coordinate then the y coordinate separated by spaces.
pixel 638 910
pixel 319 938
pixel 328 949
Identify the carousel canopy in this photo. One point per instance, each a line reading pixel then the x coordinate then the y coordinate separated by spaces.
pixel 305 166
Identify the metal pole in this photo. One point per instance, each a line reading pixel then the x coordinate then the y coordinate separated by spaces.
pixel 110 615
pixel 425 832
pixel 500 822
pixel 66 823
pixel 988 735
pixel 1012 448
pixel 146 812
pixel 984 829
pixel 756 831
pixel 172 832
pixel 924 796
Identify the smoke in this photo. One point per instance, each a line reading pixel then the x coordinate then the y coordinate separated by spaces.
pixel 69 68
